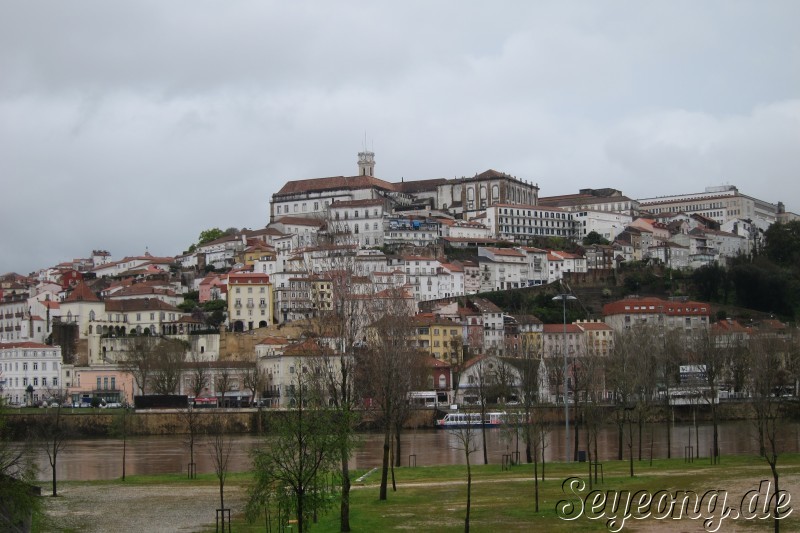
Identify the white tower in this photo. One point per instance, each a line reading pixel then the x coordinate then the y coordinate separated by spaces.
pixel 366 163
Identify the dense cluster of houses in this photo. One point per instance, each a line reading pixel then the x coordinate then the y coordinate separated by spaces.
pixel 65 330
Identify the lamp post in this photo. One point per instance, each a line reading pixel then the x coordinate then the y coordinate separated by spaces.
pixel 564 298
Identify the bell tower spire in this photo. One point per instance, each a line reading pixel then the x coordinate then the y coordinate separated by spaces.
pixel 366 161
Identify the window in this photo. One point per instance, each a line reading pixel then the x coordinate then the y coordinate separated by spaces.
pixel 36 366
pixel 98 383
pixel 113 383
pixel 55 382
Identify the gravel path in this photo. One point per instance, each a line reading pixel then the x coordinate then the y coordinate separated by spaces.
pixel 152 508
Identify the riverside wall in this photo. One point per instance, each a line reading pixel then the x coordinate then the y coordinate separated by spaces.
pixel 105 422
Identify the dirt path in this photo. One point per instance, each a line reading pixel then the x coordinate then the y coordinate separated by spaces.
pixel 103 508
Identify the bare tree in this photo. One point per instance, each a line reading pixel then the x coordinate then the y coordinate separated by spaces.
pixel 620 373
pixel 388 369
pixel 53 435
pixel 466 441
pixel 220 445
pixel 770 381
pixel 120 428
pixel 253 379
pixel 199 375
pixel 224 382
pixel 711 357
pixel 139 361
pixel 168 357
pixel 192 420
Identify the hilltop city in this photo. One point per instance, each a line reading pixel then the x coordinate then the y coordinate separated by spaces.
pixel 455 253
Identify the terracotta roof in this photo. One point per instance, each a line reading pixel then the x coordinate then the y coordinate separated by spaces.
pixel 435 363
pixel 138 290
pixel 82 293
pixel 724 327
pixel 527 319
pixel 476 240
pixel 333 183
pixel 505 251
pixel 356 203
pixel 594 326
pixel 558 329
pixel 300 221
pixel 643 306
pixel 139 304
pixel 417 186
pixel 247 277
pixel 25 344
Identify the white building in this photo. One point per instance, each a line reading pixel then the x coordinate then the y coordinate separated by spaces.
pixel 502 269
pixel 608 224
pixel 357 222
pixel 30 364
pixel 521 223
pixel 721 203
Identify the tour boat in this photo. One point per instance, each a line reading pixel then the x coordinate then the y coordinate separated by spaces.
pixel 465 420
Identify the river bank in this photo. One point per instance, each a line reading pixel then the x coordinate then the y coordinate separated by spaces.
pixel 88 422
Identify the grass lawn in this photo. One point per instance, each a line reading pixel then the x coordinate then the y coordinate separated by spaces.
pixel 434 498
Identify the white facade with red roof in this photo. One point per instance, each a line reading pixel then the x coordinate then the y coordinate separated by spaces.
pixel 502 269
pixel 668 314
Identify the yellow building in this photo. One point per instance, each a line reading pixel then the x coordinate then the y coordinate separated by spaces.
pixel 258 252
pixel 442 338
pixel 249 301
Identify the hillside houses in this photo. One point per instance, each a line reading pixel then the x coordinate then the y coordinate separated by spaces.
pixel 433 245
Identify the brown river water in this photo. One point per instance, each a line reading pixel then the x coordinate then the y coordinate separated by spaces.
pixel 101 459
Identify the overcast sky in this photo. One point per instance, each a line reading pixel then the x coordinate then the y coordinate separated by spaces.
pixel 135 125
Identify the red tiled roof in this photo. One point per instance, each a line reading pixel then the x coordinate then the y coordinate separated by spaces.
pixel 558 329
pixel 669 308
pixel 505 251
pixel 356 203
pixel 82 293
pixel 300 221
pixel 333 183
pixel 247 277
pixel 139 304
pixel 24 344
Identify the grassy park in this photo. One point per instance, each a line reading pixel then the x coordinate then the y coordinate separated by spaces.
pixel 434 498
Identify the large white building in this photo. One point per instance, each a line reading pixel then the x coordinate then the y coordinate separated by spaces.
pixel 30 372
pixel 521 223
pixel 723 203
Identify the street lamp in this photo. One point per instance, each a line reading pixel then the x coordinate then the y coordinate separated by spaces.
pixel 564 298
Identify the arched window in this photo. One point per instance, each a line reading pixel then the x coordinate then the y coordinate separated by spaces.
pixel 495 192
pixel 91 315
pixel 483 192
pixel 442 381
pixel 471 194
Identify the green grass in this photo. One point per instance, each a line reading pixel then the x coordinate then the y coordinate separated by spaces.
pixel 427 499
pixel 434 498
